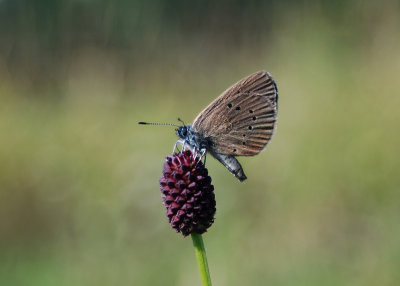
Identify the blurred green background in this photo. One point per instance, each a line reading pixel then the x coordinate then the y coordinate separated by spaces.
pixel 79 195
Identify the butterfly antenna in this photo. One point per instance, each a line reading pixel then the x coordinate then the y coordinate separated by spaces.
pixel 152 123
pixel 180 120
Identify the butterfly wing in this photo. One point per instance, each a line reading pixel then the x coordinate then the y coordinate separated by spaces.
pixel 241 121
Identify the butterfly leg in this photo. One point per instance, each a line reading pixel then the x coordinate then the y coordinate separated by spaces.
pixel 176 146
pixel 203 154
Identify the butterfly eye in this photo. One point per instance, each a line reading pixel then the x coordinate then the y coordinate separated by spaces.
pixel 250 127
pixel 244 143
pixel 251 111
pixel 229 105
pixel 237 108
pixel 183 131
pixel 234 150
pixel 254 118
pixel 244 135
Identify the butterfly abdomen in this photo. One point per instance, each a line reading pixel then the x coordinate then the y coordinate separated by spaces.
pixel 231 164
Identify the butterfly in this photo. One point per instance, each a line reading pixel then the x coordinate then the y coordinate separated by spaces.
pixel 240 122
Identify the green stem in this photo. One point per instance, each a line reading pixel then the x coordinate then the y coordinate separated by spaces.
pixel 201 259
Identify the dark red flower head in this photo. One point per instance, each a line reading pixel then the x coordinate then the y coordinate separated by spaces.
pixel 187 193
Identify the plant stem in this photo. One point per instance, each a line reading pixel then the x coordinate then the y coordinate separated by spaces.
pixel 201 259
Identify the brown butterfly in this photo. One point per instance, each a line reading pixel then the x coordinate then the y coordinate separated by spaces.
pixel 240 122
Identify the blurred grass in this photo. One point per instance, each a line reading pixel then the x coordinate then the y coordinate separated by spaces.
pixel 80 203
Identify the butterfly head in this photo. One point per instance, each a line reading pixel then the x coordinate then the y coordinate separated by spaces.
pixel 192 139
pixel 182 131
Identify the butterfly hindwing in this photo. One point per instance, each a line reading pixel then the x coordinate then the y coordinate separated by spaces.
pixel 241 121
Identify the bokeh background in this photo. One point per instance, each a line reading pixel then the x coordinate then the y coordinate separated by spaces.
pixel 79 195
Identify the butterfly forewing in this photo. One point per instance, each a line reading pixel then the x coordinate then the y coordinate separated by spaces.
pixel 242 119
